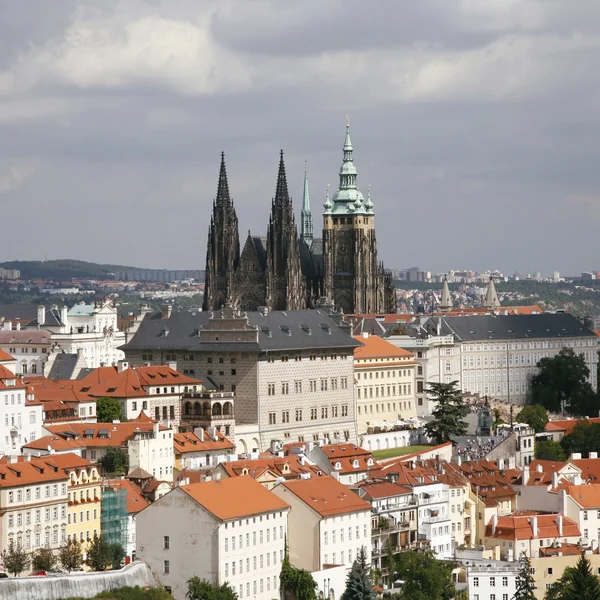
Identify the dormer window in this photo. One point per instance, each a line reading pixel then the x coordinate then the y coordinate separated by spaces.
pixel 338 466
pixel 245 471
pixel 370 462
pixel 355 463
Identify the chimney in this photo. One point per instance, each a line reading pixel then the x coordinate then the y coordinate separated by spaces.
pixel 534 526
pixel 500 464
pixel 562 501
pixel 63 314
pixel 525 475
pixel 539 469
pixel 122 365
pixel 365 335
pixel 165 311
pixel 41 314
pixel 459 461
pixel 212 432
pixel 554 480
pixel 156 430
pixel 576 456
pixel 7 326
pixel 18 326
pixel 199 433
pixel 559 524
pixel 494 524
pixel 593 455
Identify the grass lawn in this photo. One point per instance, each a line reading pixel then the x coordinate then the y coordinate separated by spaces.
pixel 392 452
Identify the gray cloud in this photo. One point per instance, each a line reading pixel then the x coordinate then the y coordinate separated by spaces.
pixel 475 122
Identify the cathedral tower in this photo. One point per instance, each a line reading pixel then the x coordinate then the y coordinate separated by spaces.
pixel 223 247
pixel 306 226
pixel 354 279
pixel 285 289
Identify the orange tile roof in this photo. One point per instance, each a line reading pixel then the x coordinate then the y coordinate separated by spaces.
pixel 234 498
pixel 132 382
pixel 382 489
pixel 326 496
pixel 276 465
pixel 590 468
pixel 344 450
pixel 567 425
pixel 135 499
pixel 519 526
pixel 565 550
pixel 587 496
pixel 8 374
pixel 376 347
pixel 29 472
pixel 190 442
pixel 6 357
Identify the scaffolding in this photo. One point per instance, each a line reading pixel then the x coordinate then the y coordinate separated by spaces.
pixel 113 514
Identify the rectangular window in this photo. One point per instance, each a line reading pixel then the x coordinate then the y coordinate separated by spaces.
pixel 313 414
pixel 272 418
pixel 298 414
pixel 166 542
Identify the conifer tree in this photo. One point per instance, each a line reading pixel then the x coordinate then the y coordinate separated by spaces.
pixel 359 585
pixel 525 588
pixel 583 583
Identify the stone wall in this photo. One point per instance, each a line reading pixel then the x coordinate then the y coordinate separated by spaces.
pixel 78 585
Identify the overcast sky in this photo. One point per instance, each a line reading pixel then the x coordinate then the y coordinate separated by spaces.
pixel 476 122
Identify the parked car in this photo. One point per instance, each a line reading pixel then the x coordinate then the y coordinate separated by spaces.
pixel 3 575
pixel 38 574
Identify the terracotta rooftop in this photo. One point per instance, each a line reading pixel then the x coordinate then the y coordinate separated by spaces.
pixel 520 527
pixel 376 347
pixel 374 490
pixel 6 357
pixel 567 425
pixel 288 466
pixel 234 498
pixel 190 442
pixel 135 499
pixel 587 496
pixel 326 496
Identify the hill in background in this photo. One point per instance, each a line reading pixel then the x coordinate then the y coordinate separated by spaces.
pixel 64 269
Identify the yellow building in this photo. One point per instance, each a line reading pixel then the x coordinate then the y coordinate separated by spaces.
pixel 84 491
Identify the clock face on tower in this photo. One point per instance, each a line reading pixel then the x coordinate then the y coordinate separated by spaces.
pixel 343 248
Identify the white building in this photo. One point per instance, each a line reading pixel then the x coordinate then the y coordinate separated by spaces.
pixel 494 580
pixel 496 355
pixel 328 523
pixel 348 463
pixel 230 530
pixel 385 383
pixel 434 518
pixel 21 415
pixel 29 348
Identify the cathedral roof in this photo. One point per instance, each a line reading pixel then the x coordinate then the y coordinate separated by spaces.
pixel 276 330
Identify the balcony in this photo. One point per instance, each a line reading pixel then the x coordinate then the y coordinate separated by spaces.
pixel 435 518
pixel 425 499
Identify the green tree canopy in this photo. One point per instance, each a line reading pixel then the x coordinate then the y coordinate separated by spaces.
pixel 525 588
pixel 425 577
pixel 108 410
pixel 449 413
pixel 577 582
pixel 15 559
pixel 584 438
pixel 359 585
pixel 535 415
pixel 44 559
pixel 550 450
pixel 298 582
pixel 70 555
pixel 102 555
pixel 562 384
pixel 201 589
pixel 115 460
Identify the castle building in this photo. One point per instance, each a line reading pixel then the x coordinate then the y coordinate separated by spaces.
pixel 291 271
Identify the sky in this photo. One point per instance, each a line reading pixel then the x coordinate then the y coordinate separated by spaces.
pixel 475 122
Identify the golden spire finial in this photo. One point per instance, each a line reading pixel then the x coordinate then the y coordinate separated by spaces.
pixel 347 122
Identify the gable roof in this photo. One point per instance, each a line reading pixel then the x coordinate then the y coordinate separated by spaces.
pixel 587 496
pixel 567 425
pixel 135 499
pixel 519 526
pixel 6 357
pixel 234 498
pixel 326 496
pixel 376 347
pixel 189 442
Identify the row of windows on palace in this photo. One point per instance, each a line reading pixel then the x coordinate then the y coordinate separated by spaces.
pixel 50 514
pixel 401 373
pixel 321 436
pixel 403 390
pixel 324 384
pixel 513 360
pixel 390 407
pixel 49 492
pixel 232 358
pixel 496 375
pixel 529 345
pixel 38 538
pixel 314 414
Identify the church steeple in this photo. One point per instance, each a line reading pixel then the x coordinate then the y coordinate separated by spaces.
pixel 223 198
pixel 306 222
pixel 282 196
pixel 491 297
pixel 446 299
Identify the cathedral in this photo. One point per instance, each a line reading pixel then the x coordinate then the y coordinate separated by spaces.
pixel 287 271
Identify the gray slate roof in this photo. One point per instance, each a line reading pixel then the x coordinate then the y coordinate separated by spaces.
pixel 512 327
pixel 63 366
pixel 278 330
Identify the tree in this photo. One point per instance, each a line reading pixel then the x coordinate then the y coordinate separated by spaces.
pixel 115 460
pixel 562 383
pixel 390 562
pixel 108 410
pixel 201 589
pixel 535 415
pixel 15 559
pixel 498 420
pixel 359 585
pixel 103 555
pixel 584 438
pixel 525 588
pixel 582 582
pixel 449 413
pixel 425 577
pixel 550 450
pixel 70 555
pixel 44 559
pixel 297 582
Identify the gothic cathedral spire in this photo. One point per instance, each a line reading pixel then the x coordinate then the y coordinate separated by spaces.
pixel 306 225
pixel 223 247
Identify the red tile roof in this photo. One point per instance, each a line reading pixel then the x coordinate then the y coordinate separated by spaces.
pixel 519 526
pixel 326 496
pixel 587 496
pixel 289 466
pixel 234 498
pixel 135 499
pixel 567 425
pixel 376 347
pixel 6 357
pixel 189 442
